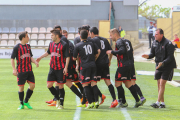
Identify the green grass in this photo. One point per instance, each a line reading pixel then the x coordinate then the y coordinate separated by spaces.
pixel 9 100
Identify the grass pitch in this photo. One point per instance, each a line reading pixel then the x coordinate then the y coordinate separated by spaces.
pixel 9 100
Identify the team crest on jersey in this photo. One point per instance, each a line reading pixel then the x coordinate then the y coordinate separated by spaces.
pixel 25 55
pixel 55 54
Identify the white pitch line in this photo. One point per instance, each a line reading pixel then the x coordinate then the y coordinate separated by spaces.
pixel 77 114
pixel 123 110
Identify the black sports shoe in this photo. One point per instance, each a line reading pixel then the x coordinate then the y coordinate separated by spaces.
pixel 154 105
pixel 162 106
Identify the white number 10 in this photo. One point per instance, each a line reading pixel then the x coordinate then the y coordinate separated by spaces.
pixel 88 49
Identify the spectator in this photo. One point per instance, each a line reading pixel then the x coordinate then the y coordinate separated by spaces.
pixel 121 32
pixel 176 41
pixel 154 30
pixel 150 30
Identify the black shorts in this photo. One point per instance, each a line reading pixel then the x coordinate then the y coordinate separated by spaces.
pixel 72 75
pixel 56 76
pixel 133 73
pixel 25 76
pixel 88 75
pixel 165 75
pixel 103 72
pixel 123 74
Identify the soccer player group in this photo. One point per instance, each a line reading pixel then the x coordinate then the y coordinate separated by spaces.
pixel 84 64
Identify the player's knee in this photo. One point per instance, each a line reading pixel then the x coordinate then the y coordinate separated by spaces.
pixel 32 86
pixel 49 85
pixel 68 84
pixel 21 88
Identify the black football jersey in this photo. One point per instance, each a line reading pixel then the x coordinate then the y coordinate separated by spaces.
pixel 86 51
pixel 104 45
pixel 124 53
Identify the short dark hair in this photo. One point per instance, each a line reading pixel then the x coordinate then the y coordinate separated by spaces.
pixel 56 32
pixel 57 26
pixel 79 29
pixel 94 30
pixel 22 34
pixel 160 31
pixel 84 34
pixel 85 27
pixel 64 31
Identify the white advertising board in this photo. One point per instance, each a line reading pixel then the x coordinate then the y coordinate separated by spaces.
pixel 6 53
pixel 45 2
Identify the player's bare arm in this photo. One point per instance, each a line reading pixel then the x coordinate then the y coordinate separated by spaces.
pixel 44 55
pixel 35 62
pixel 13 66
pixel 66 67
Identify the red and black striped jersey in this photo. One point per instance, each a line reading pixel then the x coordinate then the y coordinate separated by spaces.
pixel 124 53
pixel 23 55
pixel 59 51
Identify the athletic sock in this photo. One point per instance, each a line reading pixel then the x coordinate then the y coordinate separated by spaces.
pixel 138 90
pixel 57 90
pixel 28 95
pixel 162 103
pixel 21 97
pixel 91 93
pixel 111 90
pixel 134 93
pixel 121 94
pixel 157 103
pixel 80 87
pixel 54 92
pixel 62 94
pixel 88 94
pixel 76 91
pixel 96 92
pixel 84 97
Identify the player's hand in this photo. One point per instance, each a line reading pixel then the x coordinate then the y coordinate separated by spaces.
pixel 38 59
pixel 15 72
pixel 159 65
pixel 77 68
pixel 145 56
pixel 65 71
pixel 109 63
pixel 37 64
pixel 108 52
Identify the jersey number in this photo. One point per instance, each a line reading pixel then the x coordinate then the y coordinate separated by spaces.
pixel 127 46
pixel 88 49
pixel 102 44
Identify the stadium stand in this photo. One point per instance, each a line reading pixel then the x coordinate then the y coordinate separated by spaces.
pixel 71 36
pixel 72 30
pixel 35 30
pixel 4 36
pixel 48 36
pixel 12 30
pixel 41 36
pixel 34 37
pixel 28 29
pixel 11 43
pixel 42 30
pixel 65 28
pixel 20 29
pixel 49 29
pixel 5 30
pixel 12 36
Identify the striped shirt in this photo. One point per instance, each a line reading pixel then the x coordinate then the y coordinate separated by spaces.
pixel 23 55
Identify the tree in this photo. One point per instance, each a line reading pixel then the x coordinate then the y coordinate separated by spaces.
pixel 153 12
pixel 141 2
